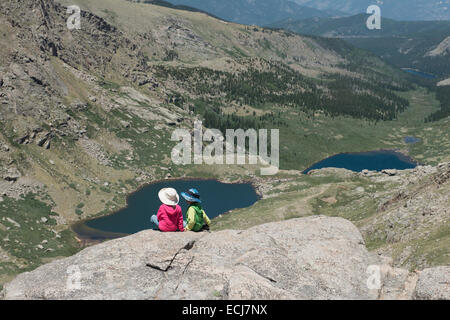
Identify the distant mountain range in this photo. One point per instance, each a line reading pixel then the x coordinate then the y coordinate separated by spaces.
pixel 256 12
pixel 394 9
pixel 406 44
pixel 355 26
pixel 263 12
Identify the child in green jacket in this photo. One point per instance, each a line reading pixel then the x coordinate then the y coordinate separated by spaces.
pixel 197 220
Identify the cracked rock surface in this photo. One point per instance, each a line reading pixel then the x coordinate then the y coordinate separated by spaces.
pixel 308 258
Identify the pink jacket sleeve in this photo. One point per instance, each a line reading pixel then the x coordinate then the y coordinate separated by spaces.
pixel 180 219
pixel 159 214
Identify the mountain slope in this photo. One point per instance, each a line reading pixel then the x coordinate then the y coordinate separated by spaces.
pixel 407 44
pixel 443 49
pixel 173 6
pixel 260 12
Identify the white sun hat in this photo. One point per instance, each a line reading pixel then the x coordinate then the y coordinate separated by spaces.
pixel 169 196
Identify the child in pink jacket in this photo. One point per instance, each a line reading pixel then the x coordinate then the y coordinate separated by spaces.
pixel 169 217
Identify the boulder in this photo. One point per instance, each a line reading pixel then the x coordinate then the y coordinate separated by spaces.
pixel 23 139
pixel 308 258
pixel 79 105
pixel 12 175
pixel 47 144
pixel 390 172
pixel 125 124
pixel 42 139
pixel 171 123
pixel 433 284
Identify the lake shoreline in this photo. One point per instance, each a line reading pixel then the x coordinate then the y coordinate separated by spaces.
pixel 403 154
pixel 101 236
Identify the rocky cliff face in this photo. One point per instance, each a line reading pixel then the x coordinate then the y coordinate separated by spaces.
pixel 309 258
pixel 443 49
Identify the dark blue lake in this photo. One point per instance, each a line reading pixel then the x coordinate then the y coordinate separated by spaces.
pixel 373 160
pixel 420 73
pixel 217 198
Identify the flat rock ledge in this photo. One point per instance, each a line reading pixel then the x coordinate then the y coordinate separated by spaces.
pixel 308 258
